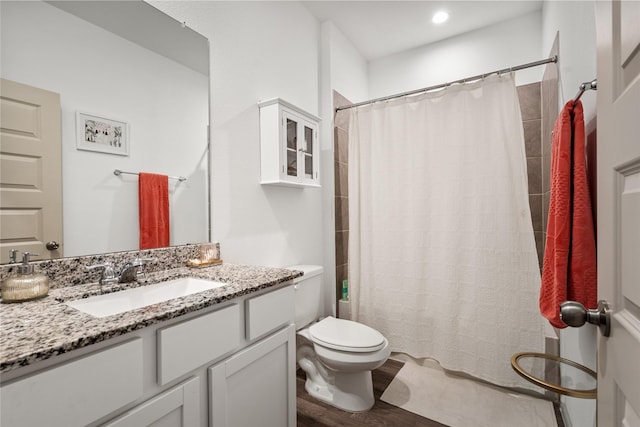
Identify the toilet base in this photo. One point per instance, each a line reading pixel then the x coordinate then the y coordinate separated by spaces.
pixel 351 392
pixel 340 379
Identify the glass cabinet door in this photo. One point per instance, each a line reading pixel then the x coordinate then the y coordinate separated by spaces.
pixel 292 147
pixel 308 152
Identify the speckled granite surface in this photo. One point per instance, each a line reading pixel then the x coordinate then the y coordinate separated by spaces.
pixel 38 330
pixel 73 271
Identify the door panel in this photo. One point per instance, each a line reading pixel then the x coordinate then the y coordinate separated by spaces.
pixel 30 170
pixel 178 406
pixel 260 377
pixel 619 210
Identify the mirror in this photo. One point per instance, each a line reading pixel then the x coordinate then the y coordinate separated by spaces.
pixel 127 62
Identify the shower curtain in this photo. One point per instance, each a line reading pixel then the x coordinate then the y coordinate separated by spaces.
pixel 442 256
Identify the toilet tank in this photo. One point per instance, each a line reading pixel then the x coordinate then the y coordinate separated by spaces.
pixel 308 297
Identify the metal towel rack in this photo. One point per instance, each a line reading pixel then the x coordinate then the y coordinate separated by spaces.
pixel 592 85
pixel 118 172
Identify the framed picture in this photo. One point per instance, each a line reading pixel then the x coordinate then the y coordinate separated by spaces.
pixel 95 133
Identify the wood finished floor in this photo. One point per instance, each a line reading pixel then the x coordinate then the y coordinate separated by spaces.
pixel 313 413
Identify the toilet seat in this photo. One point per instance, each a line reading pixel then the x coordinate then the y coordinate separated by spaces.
pixel 346 335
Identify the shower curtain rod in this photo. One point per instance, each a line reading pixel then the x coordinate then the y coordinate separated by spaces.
pixel 466 79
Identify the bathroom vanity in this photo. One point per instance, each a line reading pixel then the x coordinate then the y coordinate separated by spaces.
pixel 225 356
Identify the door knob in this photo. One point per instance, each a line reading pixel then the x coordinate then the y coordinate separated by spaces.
pixel 574 314
pixel 52 245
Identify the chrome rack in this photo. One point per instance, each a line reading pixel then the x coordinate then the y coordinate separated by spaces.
pixel 118 172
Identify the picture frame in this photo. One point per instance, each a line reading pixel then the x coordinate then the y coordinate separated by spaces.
pixel 101 134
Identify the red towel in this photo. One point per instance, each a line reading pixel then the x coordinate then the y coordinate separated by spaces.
pixel 569 267
pixel 153 197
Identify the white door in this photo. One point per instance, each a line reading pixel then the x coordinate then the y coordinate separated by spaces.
pixel 30 171
pixel 618 115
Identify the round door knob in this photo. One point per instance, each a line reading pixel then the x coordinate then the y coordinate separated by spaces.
pixel 574 314
pixel 52 245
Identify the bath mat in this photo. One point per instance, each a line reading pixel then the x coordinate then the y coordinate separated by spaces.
pixel 461 402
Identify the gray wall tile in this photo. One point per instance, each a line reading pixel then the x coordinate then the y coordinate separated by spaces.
pixel 535 202
pixel 532 137
pixel 530 101
pixel 341 145
pixel 342 214
pixel 534 173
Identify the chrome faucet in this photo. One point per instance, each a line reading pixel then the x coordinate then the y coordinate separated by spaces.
pixel 130 272
pixel 108 275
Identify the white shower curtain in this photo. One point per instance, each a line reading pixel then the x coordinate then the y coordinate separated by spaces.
pixel 442 256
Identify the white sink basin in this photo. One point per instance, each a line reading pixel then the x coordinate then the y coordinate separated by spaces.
pixel 130 299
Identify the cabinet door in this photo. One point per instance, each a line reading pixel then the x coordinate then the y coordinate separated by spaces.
pixel 309 152
pixel 300 144
pixel 291 144
pixel 256 387
pixel 179 406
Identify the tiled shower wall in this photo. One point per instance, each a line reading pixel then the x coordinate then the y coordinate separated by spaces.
pixel 341 158
pixel 531 111
pixel 538 159
pixel 550 111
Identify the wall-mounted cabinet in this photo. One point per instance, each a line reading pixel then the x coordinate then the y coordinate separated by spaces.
pixel 289 145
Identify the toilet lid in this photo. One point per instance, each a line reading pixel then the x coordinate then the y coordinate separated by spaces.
pixel 346 335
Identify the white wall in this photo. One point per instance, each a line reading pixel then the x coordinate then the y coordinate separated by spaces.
pixel 342 68
pixel 99 73
pixel 259 50
pixel 575 22
pixel 349 70
pixel 499 46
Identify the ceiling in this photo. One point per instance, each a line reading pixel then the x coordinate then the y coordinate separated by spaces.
pixel 143 24
pixel 381 28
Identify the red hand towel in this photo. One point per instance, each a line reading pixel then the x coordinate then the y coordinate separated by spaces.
pixel 569 266
pixel 153 197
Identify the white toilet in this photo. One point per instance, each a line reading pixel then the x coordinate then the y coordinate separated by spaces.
pixel 336 354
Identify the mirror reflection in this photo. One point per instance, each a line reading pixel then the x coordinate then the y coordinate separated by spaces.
pixel 118 67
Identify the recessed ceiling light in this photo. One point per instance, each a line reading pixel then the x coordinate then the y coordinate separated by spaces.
pixel 440 17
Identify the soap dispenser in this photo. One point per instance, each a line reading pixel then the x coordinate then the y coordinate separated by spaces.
pixel 26 285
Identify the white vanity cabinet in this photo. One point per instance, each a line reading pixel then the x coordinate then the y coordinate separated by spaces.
pixel 289 145
pixel 210 367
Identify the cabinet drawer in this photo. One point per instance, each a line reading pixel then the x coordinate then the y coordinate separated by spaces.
pixel 268 312
pixel 77 392
pixel 190 344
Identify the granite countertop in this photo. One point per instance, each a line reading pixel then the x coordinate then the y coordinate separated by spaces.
pixel 37 330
